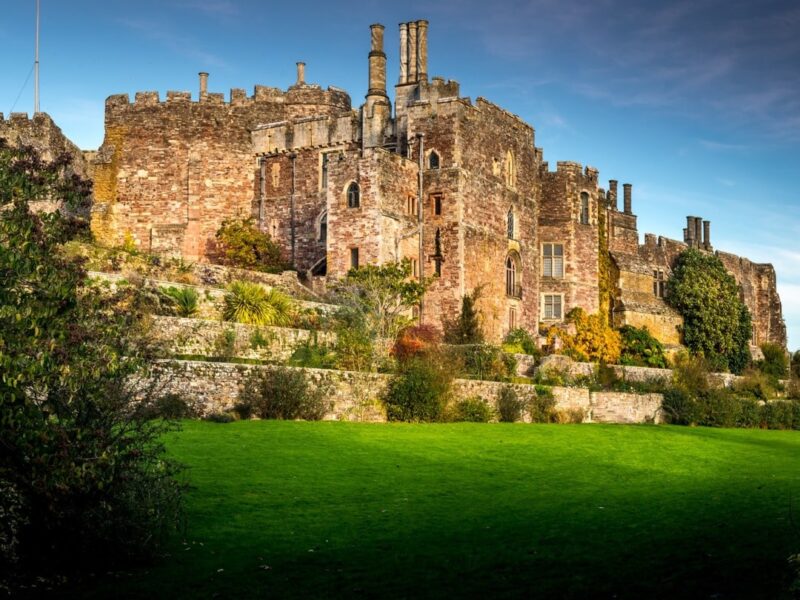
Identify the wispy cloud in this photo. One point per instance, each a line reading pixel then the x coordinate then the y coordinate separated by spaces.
pixel 177 43
pixel 723 146
pixel 212 8
pixel 726 182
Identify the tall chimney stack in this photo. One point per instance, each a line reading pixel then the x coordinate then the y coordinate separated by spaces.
pixel 698 231
pixel 707 235
pixel 612 193
pixel 422 50
pixel 301 73
pixel 377 63
pixel 412 53
pixel 403 53
pixel 626 190
pixel 688 233
pixel 203 84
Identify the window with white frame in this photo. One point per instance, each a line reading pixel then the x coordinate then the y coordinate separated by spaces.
pixel 659 283
pixel 552 308
pixel 553 260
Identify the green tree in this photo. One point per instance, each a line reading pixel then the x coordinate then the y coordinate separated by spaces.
pixel 640 348
pixel 80 465
pixel 776 362
pixel 379 298
pixel 242 244
pixel 716 323
pixel 466 327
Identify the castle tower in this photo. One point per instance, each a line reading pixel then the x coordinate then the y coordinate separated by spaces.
pixel 377 111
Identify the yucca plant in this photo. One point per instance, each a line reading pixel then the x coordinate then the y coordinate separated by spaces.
pixel 184 300
pixel 251 303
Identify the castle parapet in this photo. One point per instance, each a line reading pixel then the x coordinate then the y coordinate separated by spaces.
pixel 305 132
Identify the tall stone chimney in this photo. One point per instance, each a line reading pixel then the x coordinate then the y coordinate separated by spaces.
pixel 698 231
pixel 377 111
pixel 203 84
pixel 688 233
pixel 377 63
pixel 403 53
pixel 707 235
pixel 301 73
pixel 422 50
pixel 612 193
pixel 412 53
pixel 626 190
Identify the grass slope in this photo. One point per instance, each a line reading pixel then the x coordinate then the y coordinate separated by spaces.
pixel 292 509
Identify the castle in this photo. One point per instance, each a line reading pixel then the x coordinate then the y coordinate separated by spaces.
pixel 457 187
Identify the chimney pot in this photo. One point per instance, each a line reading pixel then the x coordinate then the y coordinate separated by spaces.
pixel 626 191
pixel 612 193
pixel 203 84
pixel 301 73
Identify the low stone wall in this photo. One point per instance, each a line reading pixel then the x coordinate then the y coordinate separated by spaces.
pixel 356 396
pixel 209 298
pixel 566 365
pixel 236 340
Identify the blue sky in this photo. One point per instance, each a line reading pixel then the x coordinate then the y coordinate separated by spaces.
pixel 694 102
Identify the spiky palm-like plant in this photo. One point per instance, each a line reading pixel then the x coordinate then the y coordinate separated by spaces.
pixel 251 303
pixel 184 299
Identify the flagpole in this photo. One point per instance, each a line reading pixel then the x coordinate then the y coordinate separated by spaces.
pixel 36 66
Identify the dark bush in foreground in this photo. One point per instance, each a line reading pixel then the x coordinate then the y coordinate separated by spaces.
pixel 542 406
pixel 418 393
pixel 472 410
pixel 509 405
pixel 282 394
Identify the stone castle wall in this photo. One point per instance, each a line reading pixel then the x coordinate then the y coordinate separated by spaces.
pixel 356 396
pixel 169 172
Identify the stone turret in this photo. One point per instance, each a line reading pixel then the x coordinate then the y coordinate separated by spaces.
pixel 377 111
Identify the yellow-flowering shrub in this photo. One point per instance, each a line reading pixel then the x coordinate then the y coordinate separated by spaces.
pixel 586 338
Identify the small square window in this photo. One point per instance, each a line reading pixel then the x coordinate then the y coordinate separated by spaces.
pixel 551 307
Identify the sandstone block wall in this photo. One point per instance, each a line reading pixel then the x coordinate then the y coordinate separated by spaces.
pixel 356 396
pixel 181 336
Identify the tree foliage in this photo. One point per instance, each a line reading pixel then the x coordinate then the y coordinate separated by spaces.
pixel 775 364
pixel 466 327
pixel 640 348
pixel 79 461
pixel 251 303
pixel 587 337
pixel 716 323
pixel 242 244
pixel 375 302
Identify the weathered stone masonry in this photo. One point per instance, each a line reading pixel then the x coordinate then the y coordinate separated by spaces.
pixel 338 187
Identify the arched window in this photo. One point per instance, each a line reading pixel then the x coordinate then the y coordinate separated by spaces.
pixel 511 278
pixel 433 160
pixel 323 227
pixel 510 224
pixel 353 196
pixel 511 170
pixel 584 208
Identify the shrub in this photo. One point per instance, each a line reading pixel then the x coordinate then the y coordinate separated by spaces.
pixel 280 393
pixel 777 414
pixel 542 406
pixel 251 303
pixel 679 407
pixel 593 340
pixel 418 393
pixel 640 348
pixel 483 361
pixel 415 341
pixel 716 323
pixel 509 405
pixel 313 356
pixel 756 384
pixel 225 344
pixel 184 300
pixel 569 415
pixel 171 406
pixel 242 244
pixel 220 417
pixel 775 364
pixel 520 341
pixel 78 456
pixel 466 328
pixel 472 410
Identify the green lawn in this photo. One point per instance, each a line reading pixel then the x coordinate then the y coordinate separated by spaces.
pixel 292 509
